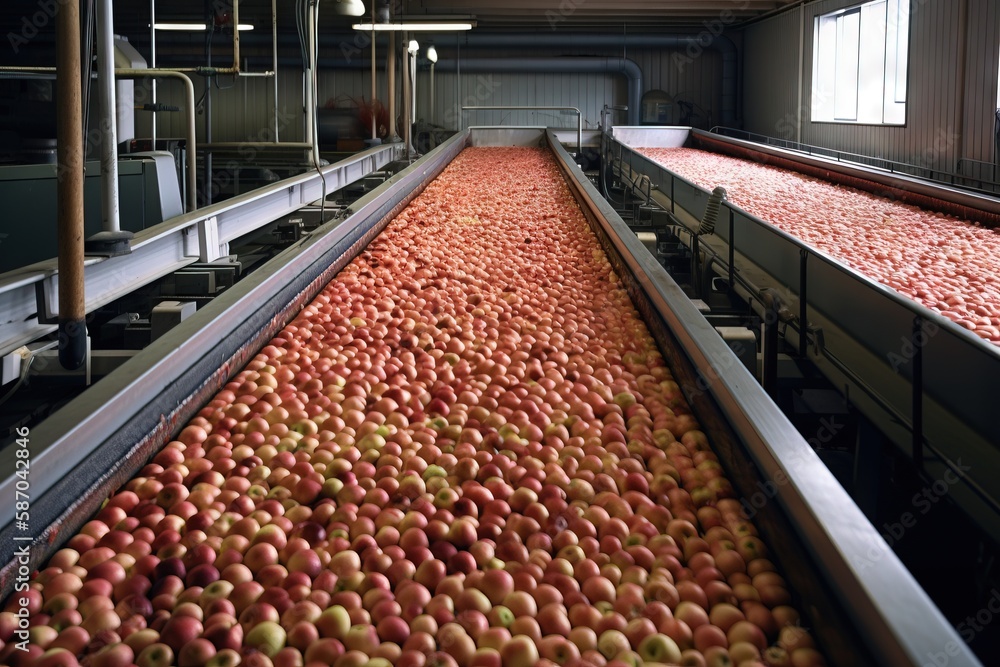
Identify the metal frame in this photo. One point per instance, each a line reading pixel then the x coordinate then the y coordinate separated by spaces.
pixel 103 437
pixel 29 296
pixel 899 622
pixel 579 117
pixel 929 393
pixel 88 449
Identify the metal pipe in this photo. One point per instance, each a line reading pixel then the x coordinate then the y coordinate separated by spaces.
pixel 152 63
pixel 430 119
pixel 407 94
pixel 233 145
pixel 579 117
pixel 110 219
pixel 308 76
pixel 314 86
pixel 374 87
pixel 274 62
pixel 236 35
pixel 963 59
pixel 86 60
pixel 206 192
pixel 413 87
pixel 917 389
pixel 629 68
pixel 192 130
pixel 391 66
pixel 72 311
pixel 800 112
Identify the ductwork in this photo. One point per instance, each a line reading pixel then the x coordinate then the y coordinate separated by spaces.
pixel 569 65
pixel 691 47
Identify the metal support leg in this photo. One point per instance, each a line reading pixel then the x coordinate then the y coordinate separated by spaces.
pixel 769 352
pixel 867 465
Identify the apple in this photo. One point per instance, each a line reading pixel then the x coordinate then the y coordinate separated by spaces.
pixel 659 648
pixel 520 651
pixel 112 655
pixel 196 653
pixel 268 637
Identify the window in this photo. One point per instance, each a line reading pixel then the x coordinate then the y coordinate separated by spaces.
pixel 860 57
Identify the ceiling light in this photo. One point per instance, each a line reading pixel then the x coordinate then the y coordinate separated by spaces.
pixel 432 54
pixel 413 46
pixel 346 8
pixel 193 27
pixel 413 26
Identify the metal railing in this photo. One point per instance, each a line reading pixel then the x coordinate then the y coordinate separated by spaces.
pixel 990 186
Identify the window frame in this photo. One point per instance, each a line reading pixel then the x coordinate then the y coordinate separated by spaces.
pixel 889 88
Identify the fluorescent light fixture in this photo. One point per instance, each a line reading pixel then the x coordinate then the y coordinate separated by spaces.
pixel 413 26
pixel 432 54
pixel 413 46
pixel 193 27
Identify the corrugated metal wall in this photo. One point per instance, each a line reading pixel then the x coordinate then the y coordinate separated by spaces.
pixel 243 111
pixel 947 118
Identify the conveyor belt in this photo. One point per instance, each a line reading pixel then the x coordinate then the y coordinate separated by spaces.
pixel 925 381
pixel 868 614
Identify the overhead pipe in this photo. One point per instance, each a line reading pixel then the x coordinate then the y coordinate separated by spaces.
pixel 69 151
pixel 568 65
pixel 192 127
pixel 122 73
pixel 571 65
pixel 692 45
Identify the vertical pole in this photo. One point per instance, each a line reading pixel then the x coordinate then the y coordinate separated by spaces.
pixel 803 302
pixel 236 35
pixel 308 80
pixel 374 87
pixel 732 245
pixel 431 120
pixel 274 64
pixel 406 93
pixel 109 111
pixel 72 313
pixel 917 384
pixel 770 351
pixel 391 64
pixel 152 53
pixel 209 177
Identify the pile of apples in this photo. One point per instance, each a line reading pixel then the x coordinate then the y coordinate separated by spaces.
pixel 466 452
pixel 951 266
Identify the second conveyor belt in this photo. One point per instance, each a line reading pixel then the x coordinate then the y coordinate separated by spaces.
pixel 872 614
